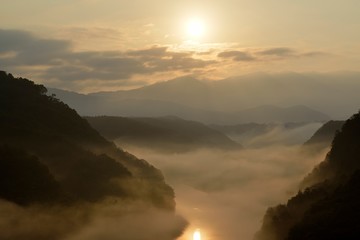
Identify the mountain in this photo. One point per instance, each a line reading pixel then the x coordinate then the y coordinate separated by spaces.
pixel 48 153
pixel 110 104
pixel 168 134
pixel 24 179
pixel 323 137
pixel 84 104
pixel 328 206
pixel 151 102
pixel 333 93
pixel 222 101
pixel 186 91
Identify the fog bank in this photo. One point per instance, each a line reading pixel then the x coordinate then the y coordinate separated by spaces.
pixel 226 193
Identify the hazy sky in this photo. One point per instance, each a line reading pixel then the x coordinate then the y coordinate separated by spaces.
pixel 111 44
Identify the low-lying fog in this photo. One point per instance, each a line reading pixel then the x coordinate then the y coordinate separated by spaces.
pixel 277 135
pixel 226 193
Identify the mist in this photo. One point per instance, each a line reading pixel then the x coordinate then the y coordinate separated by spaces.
pixel 226 193
pixel 275 134
pixel 112 222
pixel 111 219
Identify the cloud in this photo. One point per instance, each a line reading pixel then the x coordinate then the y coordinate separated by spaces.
pixel 267 54
pixel 280 52
pixel 29 50
pixel 237 55
pixel 161 59
pixel 289 52
pixel 57 60
pixel 22 41
pixel 61 63
pixel 314 54
pixel 151 52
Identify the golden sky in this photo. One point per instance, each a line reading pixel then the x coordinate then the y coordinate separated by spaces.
pixel 92 45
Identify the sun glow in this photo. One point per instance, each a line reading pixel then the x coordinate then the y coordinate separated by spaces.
pixel 195 28
pixel 197 235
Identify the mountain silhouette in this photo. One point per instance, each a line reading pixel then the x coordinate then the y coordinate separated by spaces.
pixel 323 137
pixel 327 206
pixel 65 153
pixel 166 134
pixel 186 91
pixel 25 180
pixel 180 98
pixel 222 101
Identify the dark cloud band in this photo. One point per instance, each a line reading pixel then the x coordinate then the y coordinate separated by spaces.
pixel 60 62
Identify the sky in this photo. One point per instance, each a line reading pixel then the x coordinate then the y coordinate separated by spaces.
pixel 93 45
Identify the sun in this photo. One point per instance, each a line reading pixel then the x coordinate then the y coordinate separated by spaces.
pixel 197 235
pixel 195 28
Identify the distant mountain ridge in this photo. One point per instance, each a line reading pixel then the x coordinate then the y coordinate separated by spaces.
pixel 166 134
pixel 186 98
pixel 216 102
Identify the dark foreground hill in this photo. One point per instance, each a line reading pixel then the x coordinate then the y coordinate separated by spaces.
pixel 328 206
pixel 59 177
pixel 49 154
pixel 166 134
